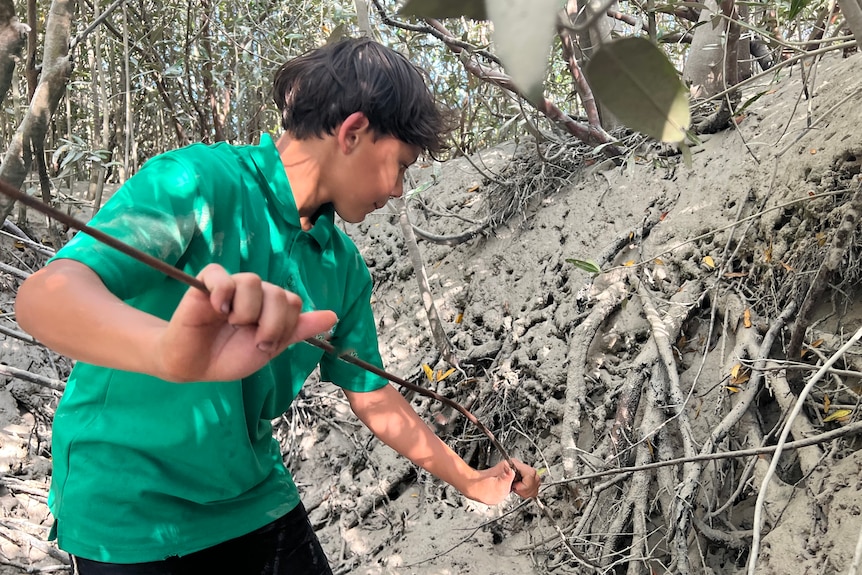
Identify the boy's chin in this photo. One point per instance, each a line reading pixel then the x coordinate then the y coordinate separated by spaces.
pixel 352 218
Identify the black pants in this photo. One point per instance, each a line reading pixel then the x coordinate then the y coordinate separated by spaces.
pixel 287 546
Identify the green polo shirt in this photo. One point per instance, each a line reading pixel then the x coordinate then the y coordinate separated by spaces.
pixel 146 469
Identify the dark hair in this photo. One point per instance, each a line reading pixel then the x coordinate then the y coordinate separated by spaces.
pixel 318 90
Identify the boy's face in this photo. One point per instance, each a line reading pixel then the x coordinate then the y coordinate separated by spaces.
pixel 372 172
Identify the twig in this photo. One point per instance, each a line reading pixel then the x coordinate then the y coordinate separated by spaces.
pixel 444 346
pixel 761 496
pixel 18 335
pixel 10 371
pixel 754 451
pixel 775 68
pixel 21 274
pixel 857 556
pixel 733 225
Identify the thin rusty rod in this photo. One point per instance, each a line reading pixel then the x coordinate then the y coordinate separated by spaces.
pixel 192 281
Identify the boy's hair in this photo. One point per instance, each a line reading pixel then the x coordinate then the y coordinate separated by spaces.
pixel 318 90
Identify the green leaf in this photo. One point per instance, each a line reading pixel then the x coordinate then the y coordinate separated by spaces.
pixel 796 7
pixel 523 34
pixel 586 265
pixel 640 86
pixel 473 9
pixel 749 102
pixel 337 34
pixel 686 154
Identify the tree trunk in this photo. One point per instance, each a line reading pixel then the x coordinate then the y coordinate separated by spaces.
pixel 853 14
pixel 704 67
pixel 13 34
pixel 56 68
pixel 590 39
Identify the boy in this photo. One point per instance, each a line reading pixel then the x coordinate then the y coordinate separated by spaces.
pixel 164 460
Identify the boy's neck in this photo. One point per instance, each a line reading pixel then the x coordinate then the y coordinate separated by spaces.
pixel 302 161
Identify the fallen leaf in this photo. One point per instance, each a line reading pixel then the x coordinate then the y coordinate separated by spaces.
pixel 441 376
pixel 658 262
pixel 459 318
pixel 746 317
pixel 709 262
pixel 826 403
pixel 732 388
pixel 629 263
pixel 586 265
pixel 821 238
pixel 788 267
pixel 739 374
pixel 429 373
pixel 838 415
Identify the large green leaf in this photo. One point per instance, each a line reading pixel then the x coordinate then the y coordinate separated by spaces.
pixel 523 33
pixel 637 82
pixel 473 9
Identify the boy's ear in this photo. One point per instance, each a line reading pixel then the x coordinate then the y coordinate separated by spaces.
pixel 351 130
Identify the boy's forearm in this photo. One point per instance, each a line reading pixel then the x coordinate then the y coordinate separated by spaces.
pixel 388 415
pixel 67 307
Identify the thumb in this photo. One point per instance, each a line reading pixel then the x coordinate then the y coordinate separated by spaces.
pixel 311 323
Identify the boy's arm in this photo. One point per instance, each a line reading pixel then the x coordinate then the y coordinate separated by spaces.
pixel 227 335
pixel 388 415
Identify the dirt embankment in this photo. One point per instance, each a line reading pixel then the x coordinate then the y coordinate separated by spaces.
pixel 725 286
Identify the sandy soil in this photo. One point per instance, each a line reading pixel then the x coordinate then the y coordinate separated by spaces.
pixel 511 305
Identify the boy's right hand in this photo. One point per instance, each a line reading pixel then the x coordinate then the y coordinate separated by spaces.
pixel 236 330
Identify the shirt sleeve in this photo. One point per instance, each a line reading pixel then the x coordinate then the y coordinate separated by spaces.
pixel 356 335
pixel 153 212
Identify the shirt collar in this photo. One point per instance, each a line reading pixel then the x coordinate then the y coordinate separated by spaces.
pixel 268 163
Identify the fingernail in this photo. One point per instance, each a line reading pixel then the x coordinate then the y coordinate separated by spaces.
pixel 265 346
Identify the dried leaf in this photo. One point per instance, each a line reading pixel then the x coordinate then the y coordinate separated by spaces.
pixel 838 415
pixel 429 373
pixel 739 374
pixel 746 317
pixel 816 343
pixel 732 388
pixel 709 262
pixel 788 267
pixel 441 375
pixel 658 262
pixel 629 263
pixel 459 318
pixel 821 239
pixel 767 253
pixel 826 403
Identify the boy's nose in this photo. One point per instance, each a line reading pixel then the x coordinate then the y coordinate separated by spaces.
pixel 398 191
